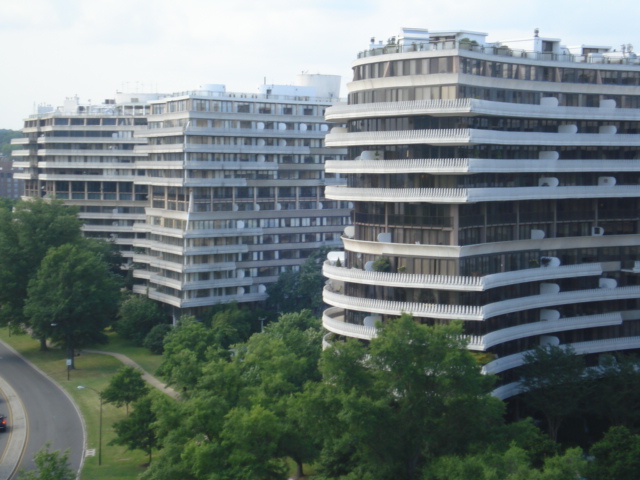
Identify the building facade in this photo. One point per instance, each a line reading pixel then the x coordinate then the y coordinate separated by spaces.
pixel 236 191
pixel 493 183
pixel 84 154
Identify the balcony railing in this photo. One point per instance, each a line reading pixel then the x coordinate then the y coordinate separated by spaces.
pixel 472 195
pixel 390 307
pixel 343 112
pixel 482 343
pixel 499 51
pixel 581 348
pixel 478 165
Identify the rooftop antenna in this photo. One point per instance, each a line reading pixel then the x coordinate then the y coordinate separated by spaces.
pixel 536 32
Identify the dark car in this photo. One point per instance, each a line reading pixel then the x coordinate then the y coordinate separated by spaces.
pixel 3 423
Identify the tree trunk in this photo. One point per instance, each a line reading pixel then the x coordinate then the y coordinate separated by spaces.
pixel 299 469
pixel 43 344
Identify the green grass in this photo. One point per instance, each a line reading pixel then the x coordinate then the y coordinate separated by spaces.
pixel 92 370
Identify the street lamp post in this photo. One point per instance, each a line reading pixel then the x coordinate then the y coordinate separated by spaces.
pixel 80 387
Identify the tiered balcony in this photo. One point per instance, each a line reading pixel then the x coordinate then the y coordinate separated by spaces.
pixel 581 348
pixel 333 320
pixel 467 106
pixel 478 313
pixel 560 298
pixel 452 166
pixel 482 343
pixel 390 307
pixel 474 195
pixel 459 283
pixel 471 136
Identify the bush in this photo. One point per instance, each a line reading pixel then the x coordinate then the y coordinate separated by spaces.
pixel 154 340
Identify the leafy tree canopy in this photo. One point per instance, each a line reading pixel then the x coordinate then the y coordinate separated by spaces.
pixel 72 298
pixel 26 235
pixel 125 386
pixel 137 316
pixel 49 466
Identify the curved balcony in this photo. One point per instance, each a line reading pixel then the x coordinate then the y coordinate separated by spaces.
pixel 390 307
pixel 448 166
pixel 333 321
pixel 459 283
pixel 404 280
pixel 482 343
pixel 475 195
pixel 581 348
pixel 561 298
pixel 478 313
pixel 471 136
pixel 344 113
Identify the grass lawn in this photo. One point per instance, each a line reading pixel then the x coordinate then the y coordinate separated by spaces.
pixel 92 370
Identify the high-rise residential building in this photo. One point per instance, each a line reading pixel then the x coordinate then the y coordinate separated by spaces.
pixel 83 153
pixel 236 191
pixel 211 194
pixel 493 183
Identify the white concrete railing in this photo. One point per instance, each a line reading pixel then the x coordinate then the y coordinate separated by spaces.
pixel 483 342
pixel 562 298
pixel 478 313
pixel 342 113
pixel 390 307
pixel 331 323
pixel 471 195
pixel 459 283
pixel 478 165
pixel 469 136
pixel 581 348
pixel 539 274
pixel 440 282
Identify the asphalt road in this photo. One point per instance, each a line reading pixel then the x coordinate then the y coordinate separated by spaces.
pixel 48 415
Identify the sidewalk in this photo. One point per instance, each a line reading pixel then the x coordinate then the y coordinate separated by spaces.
pixel 150 379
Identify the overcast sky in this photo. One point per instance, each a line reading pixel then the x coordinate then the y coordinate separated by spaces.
pixel 52 49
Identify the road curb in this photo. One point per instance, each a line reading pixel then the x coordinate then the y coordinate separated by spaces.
pixel 57 385
pixel 17 429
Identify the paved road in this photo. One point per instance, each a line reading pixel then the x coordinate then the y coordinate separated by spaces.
pixel 40 412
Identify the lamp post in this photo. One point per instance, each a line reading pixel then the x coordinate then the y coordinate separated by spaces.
pixel 80 387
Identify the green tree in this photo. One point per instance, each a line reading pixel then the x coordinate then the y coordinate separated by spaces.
pixel 297 291
pixel 72 298
pixel 26 234
pixel 414 394
pixel 241 418
pixel 49 466
pixel 186 349
pixel 137 316
pixel 137 432
pixel 154 340
pixel 616 390
pixel 514 464
pixel 5 141
pixel 125 386
pixel 232 324
pixel 616 456
pixel 555 383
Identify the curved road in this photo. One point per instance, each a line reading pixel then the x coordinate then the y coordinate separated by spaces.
pixel 39 412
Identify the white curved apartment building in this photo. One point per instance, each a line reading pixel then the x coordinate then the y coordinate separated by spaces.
pixel 502 184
